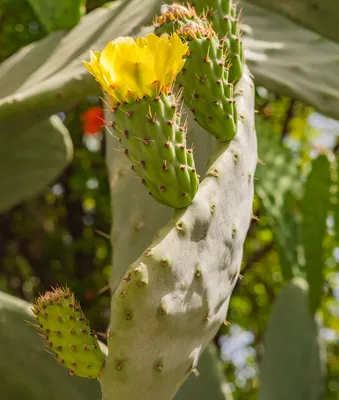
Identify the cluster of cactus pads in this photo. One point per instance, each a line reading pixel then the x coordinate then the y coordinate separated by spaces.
pixel 172 300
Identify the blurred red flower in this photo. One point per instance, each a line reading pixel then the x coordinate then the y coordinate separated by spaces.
pixel 93 121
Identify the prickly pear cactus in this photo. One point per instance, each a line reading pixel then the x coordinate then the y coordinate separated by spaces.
pixel 67 334
pixel 172 300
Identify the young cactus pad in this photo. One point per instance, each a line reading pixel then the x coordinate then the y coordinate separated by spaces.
pixel 207 89
pixel 67 333
pixel 222 14
pixel 137 77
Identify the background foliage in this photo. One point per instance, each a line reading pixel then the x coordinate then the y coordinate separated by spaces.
pixel 61 235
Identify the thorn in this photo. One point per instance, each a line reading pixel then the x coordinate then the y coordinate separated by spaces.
pixel 103 290
pixel 103 234
pixel 256 218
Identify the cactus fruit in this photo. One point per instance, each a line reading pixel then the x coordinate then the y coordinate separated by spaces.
pixel 207 89
pixel 67 334
pixel 138 78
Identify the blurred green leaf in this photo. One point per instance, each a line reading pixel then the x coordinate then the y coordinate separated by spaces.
pixel 319 16
pixel 30 160
pixel 336 205
pixel 210 382
pixel 291 368
pixel 59 14
pixel 314 208
pixel 277 186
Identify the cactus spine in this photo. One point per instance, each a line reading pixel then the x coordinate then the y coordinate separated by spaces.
pixel 172 300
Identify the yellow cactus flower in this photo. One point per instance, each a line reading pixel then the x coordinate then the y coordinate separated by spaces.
pixel 128 70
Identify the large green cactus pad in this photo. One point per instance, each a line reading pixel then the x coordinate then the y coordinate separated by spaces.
pixel 30 160
pixel 314 207
pixel 27 371
pixel 168 284
pixel 292 365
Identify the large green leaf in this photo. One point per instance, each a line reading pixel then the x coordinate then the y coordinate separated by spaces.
pixel 291 60
pixel 30 160
pixel 48 76
pixel 291 368
pixel 318 15
pixel 277 185
pixel 58 14
pixel 336 205
pixel 314 208
pixel 27 370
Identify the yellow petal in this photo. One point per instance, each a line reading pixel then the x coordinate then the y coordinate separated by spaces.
pixel 128 69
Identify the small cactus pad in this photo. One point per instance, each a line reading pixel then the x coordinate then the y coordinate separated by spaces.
pixel 67 334
pixel 205 77
pixel 154 140
pixel 222 14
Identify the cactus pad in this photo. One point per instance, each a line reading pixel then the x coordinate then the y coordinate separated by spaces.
pixel 222 14
pixel 174 297
pixel 155 142
pixel 67 334
pixel 205 76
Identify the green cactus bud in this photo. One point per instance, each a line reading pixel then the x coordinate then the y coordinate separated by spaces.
pixel 173 17
pixel 67 334
pixel 222 14
pixel 155 142
pixel 208 92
